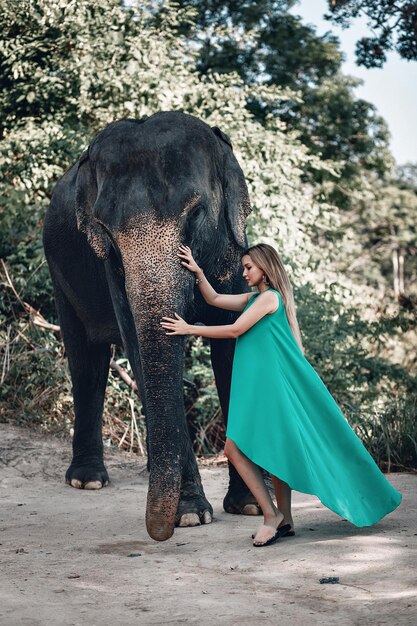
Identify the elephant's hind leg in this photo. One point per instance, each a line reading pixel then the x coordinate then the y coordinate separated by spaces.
pixel 89 367
pixel 238 499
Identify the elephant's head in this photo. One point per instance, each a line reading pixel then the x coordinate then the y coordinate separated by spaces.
pixel 143 188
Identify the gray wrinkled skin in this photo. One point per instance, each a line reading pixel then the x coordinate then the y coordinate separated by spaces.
pixel 111 238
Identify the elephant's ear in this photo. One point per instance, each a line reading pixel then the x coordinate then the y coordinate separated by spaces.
pixel 85 197
pixel 237 205
pixel 216 130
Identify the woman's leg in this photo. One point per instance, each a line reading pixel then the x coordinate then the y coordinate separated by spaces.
pixel 283 496
pixel 252 476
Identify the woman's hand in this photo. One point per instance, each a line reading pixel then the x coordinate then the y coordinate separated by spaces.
pixel 177 326
pixel 188 262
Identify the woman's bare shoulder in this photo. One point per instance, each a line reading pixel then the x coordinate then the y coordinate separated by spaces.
pixel 270 297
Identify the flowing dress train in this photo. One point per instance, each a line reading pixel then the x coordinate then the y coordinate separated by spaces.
pixel 283 418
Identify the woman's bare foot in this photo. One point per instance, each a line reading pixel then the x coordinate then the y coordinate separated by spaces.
pixel 268 531
pixel 286 521
pixel 264 535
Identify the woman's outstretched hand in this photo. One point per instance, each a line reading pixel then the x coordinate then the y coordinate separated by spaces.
pixel 188 262
pixel 177 326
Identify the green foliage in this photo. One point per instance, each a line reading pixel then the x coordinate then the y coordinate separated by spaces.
pixel 71 67
pixel 387 226
pixel 36 387
pixel 391 433
pixel 262 41
pixel 348 351
pixel 393 25
pixel 267 45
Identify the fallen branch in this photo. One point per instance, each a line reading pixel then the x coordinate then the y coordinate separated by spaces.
pixel 37 317
pixel 135 424
pixel 123 375
pixel 6 360
pixel 124 436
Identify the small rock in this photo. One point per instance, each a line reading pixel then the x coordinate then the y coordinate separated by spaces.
pixel 332 580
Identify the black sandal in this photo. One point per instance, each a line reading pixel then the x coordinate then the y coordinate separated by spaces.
pixel 286 531
pixel 283 531
pixel 268 542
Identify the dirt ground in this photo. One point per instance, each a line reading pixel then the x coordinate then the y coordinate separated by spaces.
pixel 76 558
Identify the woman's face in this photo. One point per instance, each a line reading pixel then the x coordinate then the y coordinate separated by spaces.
pixel 251 272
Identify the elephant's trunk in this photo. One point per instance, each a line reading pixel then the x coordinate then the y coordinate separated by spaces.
pixel 162 370
pixel 156 286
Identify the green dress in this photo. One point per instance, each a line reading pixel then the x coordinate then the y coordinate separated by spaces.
pixel 283 418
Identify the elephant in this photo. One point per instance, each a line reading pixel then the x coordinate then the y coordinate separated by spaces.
pixel 111 236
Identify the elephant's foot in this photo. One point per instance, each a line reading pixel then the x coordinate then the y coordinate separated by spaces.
pixel 90 474
pixel 241 504
pixel 238 499
pixel 193 508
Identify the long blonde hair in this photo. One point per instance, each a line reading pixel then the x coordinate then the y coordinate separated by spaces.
pixel 267 259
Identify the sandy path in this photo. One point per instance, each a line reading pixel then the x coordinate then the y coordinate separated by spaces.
pixel 83 558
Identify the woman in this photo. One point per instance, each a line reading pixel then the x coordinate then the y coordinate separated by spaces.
pixel 281 416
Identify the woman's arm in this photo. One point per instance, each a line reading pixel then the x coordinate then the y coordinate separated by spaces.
pixel 265 303
pixel 233 302
pixel 223 301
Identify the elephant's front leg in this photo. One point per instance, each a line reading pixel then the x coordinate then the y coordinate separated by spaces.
pixel 193 508
pixel 87 469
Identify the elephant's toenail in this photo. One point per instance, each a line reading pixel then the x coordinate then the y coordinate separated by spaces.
pixel 207 519
pixel 189 519
pixel 93 484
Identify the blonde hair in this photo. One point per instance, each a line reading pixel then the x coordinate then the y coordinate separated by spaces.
pixel 267 259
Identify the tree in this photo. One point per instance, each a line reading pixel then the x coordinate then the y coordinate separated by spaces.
pixel 388 230
pixel 73 67
pixel 70 67
pixel 392 22
pixel 268 45
pixel 262 41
